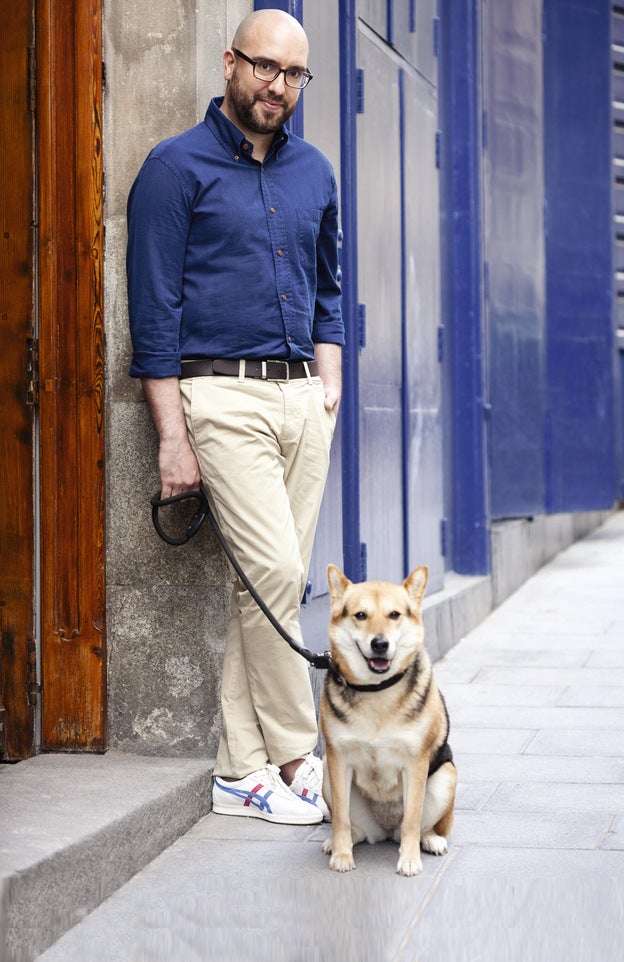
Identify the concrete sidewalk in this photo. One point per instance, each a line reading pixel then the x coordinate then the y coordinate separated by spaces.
pixel 535 869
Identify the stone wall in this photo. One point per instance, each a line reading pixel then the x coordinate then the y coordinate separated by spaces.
pixel 166 607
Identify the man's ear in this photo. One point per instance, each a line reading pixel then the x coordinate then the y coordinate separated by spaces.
pixel 229 59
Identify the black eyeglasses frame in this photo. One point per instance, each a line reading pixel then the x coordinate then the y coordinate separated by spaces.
pixel 305 74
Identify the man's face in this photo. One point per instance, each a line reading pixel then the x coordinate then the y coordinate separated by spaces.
pixel 258 106
pixel 261 108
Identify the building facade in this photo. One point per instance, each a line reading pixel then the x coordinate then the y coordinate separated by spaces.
pixel 478 148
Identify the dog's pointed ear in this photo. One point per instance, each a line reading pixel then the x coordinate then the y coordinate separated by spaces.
pixel 416 582
pixel 338 584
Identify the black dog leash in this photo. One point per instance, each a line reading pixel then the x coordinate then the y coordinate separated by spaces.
pixel 316 659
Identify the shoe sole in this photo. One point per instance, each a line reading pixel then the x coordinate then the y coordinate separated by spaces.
pixel 252 812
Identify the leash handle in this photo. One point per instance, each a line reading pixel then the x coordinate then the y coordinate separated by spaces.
pixel 196 521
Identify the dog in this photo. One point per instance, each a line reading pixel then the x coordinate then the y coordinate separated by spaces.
pixel 388 767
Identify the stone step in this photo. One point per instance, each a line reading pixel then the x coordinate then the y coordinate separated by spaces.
pixel 74 828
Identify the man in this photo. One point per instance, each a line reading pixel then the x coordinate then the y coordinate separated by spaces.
pixel 237 334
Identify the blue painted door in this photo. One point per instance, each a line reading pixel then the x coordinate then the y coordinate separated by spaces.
pixel 422 343
pixel 580 441
pixel 399 285
pixel 379 282
pixel 514 283
pixel 397 368
pixel 617 181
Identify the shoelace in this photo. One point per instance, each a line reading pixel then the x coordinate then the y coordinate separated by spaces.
pixel 310 777
pixel 274 779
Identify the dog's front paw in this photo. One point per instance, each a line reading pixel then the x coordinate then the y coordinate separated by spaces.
pixel 409 866
pixel 342 862
pixel 433 843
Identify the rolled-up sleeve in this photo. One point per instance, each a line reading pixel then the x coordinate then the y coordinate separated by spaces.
pixel 328 327
pixel 159 216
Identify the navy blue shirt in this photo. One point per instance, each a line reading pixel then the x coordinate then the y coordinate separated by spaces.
pixel 228 257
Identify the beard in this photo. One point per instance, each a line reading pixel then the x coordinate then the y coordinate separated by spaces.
pixel 251 114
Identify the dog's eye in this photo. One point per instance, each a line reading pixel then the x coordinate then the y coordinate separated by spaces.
pixel 394 615
pixel 360 615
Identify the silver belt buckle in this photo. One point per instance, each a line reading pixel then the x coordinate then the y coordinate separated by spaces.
pixel 286 371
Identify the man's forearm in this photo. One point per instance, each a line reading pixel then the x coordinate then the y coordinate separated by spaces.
pixel 177 463
pixel 329 358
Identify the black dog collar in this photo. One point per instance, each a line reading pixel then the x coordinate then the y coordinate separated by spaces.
pixel 386 683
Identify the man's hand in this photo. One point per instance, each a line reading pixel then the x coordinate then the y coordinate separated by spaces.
pixel 329 358
pixel 177 464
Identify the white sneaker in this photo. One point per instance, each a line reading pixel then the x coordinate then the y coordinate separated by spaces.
pixel 263 794
pixel 308 784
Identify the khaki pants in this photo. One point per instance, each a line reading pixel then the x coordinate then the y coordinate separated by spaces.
pixel 263 452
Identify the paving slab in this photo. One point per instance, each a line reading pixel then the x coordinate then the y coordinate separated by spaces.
pixel 523 717
pixel 588 695
pixel 536 675
pixel 491 741
pixel 555 797
pixel 457 695
pixel 561 769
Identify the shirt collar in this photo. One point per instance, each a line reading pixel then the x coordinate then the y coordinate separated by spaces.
pixel 230 136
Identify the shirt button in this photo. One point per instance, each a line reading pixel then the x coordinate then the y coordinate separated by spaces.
pixel 284 297
pixel 272 210
pixel 280 253
pixel 245 146
pixel 236 157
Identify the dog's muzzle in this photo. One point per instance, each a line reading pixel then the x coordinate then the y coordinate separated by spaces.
pixel 379 663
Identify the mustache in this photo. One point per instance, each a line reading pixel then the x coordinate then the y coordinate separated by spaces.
pixel 274 100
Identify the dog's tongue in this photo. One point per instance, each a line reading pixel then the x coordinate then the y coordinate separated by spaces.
pixel 379 664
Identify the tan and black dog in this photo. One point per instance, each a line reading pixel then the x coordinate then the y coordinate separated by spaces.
pixel 389 770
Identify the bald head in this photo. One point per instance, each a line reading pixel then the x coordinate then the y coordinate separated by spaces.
pixel 270 25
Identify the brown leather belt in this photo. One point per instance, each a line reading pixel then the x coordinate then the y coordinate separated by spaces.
pixel 232 367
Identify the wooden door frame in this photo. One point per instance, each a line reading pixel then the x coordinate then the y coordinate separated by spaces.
pixel 71 377
pixel 17 542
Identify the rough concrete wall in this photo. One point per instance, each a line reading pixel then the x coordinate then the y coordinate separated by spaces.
pixel 166 607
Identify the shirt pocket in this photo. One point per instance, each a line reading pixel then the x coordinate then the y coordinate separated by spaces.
pixel 308 227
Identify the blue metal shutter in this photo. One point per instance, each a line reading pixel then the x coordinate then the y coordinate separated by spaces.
pixel 514 253
pixel 580 441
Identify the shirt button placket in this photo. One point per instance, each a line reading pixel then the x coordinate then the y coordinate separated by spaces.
pixel 280 265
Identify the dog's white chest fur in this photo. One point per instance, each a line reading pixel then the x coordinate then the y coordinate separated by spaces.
pixel 378 755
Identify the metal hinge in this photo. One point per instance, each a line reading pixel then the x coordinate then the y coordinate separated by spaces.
pixel 443 537
pixel 32 370
pixel 2 732
pixel 361 315
pixel 359 91
pixel 33 688
pixel 32 79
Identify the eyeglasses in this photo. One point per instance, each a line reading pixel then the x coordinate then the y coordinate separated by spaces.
pixel 267 71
